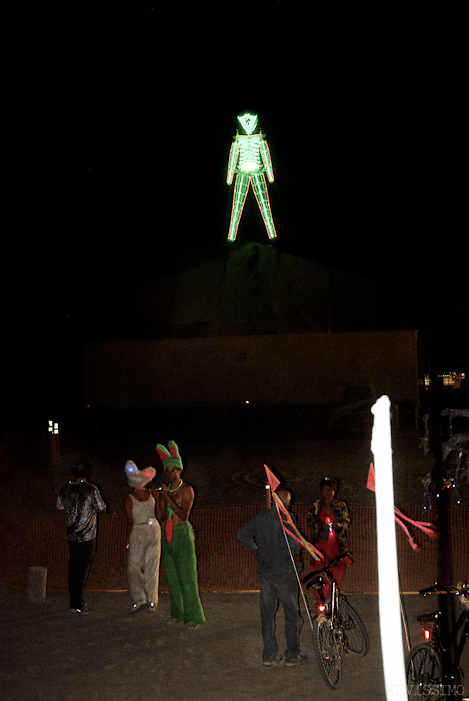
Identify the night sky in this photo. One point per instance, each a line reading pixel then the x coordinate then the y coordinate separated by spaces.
pixel 128 180
pixel 356 120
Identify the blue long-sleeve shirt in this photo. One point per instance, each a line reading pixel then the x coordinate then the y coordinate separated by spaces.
pixel 265 534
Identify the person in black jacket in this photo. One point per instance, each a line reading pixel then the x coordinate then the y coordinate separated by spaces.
pixel 81 501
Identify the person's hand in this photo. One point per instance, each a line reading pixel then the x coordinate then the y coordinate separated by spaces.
pixel 163 493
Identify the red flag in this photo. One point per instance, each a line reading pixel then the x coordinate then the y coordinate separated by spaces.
pixel 271 478
pixel 288 525
pixel 429 528
pixel 371 479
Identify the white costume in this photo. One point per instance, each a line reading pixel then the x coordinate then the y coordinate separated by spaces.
pixel 143 555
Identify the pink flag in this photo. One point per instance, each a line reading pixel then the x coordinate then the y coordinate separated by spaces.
pixel 370 484
pixel 272 480
pixel 287 524
pixel 429 528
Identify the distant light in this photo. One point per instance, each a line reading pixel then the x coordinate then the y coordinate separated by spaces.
pixel 247 401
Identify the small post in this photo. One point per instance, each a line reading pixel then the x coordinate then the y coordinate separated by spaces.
pixel 36 585
pixel 53 428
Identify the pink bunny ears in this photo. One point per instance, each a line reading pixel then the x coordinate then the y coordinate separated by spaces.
pixel 138 478
pixel 170 458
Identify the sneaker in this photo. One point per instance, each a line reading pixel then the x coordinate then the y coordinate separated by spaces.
pixel 192 626
pixel 151 607
pixel 269 663
pixel 172 621
pixel 83 610
pixel 137 607
pixel 296 660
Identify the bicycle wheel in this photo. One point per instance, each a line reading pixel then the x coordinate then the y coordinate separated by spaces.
pixel 328 651
pixel 353 629
pixel 424 673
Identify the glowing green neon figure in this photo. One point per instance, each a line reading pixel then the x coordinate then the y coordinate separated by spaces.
pixel 250 159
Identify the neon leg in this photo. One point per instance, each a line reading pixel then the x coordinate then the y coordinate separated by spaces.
pixel 262 196
pixel 239 198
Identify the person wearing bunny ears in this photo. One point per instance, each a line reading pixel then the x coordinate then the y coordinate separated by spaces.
pixel 173 506
pixel 144 539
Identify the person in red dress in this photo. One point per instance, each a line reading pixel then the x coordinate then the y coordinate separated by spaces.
pixel 329 519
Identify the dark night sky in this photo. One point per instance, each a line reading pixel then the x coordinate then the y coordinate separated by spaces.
pixel 361 115
pixel 356 120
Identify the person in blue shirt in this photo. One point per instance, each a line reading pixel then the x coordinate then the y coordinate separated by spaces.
pixel 277 579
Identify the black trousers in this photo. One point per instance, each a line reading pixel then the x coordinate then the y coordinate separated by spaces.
pixel 81 556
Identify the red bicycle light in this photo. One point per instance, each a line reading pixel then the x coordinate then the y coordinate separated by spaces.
pixel 322 608
pixel 427 634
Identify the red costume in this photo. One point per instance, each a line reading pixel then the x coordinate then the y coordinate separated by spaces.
pixel 329 537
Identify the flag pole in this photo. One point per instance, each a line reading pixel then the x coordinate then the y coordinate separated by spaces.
pixel 294 565
pixel 295 534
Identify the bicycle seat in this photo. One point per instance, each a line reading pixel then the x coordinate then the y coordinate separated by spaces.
pixel 316 583
pixel 429 617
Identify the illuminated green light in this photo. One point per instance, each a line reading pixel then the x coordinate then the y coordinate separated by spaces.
pixel 249 166
pixel 250 158
pixel 248 122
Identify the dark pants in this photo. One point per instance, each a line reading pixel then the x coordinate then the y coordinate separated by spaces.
pixel 281 589
pixel 81 556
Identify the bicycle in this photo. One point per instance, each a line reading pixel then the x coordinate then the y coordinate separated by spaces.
pixel 425 667
pixel 337 629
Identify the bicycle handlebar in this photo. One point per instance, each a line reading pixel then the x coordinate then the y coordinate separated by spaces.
pixel 461 589
pixel 330 564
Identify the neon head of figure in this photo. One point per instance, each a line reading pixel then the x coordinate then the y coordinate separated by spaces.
pixel 248 122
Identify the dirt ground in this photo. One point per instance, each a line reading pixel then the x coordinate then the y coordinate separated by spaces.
pixel 51 654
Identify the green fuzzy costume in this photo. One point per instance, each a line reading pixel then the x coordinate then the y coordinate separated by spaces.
pixel 181 572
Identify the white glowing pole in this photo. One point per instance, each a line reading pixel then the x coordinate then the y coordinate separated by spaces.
pixel 389 603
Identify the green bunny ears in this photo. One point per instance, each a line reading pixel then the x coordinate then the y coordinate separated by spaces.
pixel 170 458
